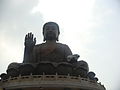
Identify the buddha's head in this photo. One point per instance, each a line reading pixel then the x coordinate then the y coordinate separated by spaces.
pixel 51 31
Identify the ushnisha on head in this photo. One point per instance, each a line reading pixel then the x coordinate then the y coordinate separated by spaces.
pixel 51 31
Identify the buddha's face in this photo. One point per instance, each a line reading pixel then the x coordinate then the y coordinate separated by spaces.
pixel 51 32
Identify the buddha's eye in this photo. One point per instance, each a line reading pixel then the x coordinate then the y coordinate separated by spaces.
pixel 47 28
pixel 53 28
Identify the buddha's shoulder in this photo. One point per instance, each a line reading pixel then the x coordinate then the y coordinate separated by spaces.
pixel 42 45
pixel 62 45
pixel 39 45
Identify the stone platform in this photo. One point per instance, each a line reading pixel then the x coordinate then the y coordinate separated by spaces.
pixel 50 82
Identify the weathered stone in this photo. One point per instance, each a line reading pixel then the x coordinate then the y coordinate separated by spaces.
pixel 26 69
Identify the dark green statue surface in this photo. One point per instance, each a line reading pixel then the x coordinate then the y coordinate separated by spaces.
pixel 49 57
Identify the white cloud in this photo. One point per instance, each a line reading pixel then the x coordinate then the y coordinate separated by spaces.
pixel 16 21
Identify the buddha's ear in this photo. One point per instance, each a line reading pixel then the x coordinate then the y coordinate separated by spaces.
pixel 44 39
pixel 57 39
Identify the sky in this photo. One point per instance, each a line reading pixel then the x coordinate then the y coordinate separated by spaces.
pixel 91 28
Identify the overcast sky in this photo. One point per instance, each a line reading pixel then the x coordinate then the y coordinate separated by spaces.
pixel 91 28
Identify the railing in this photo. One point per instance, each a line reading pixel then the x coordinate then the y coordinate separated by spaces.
pixel 56 77
pixel 44 77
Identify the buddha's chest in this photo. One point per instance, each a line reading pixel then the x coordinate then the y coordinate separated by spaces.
pixel 51 51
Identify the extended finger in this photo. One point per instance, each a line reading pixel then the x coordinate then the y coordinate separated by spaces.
pixel 34 40
pixel 31 35
pixel 26 36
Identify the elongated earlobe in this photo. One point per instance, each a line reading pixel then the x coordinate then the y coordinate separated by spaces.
pixel 44 39
pixel 57 39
